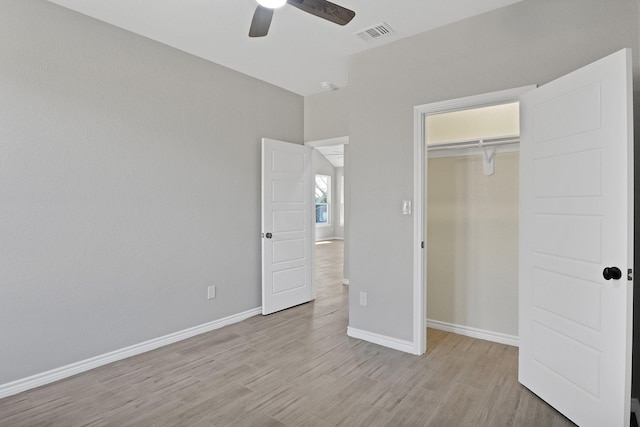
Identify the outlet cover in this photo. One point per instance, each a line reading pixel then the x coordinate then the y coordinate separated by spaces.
pixel 363 298
pixel 211 292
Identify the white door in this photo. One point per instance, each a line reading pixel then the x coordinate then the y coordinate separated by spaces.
pixel 287 225
pixel 576 219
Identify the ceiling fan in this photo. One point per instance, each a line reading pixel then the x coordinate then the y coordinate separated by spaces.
pixel 320 8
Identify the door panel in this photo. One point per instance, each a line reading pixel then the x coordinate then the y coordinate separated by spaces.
pixel 287 225
pixel 551 290
pixel 551 179
pixel 576 201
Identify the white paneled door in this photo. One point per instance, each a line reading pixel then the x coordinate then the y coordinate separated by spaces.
pixel 576 242
pixel 287 225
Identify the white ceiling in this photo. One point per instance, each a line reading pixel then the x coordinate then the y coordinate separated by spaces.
pixel 300 51
pixel 334 154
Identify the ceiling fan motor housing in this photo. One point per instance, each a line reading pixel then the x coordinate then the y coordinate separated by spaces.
pixel 321 8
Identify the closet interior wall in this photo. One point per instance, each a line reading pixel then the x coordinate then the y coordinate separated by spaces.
pixel 472 243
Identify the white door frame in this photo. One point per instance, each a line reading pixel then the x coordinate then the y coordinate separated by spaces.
pixel 420 195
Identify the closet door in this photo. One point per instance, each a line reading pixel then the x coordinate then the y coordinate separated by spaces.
pixel 576 242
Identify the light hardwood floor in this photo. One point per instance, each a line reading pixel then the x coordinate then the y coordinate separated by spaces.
pixel 294 368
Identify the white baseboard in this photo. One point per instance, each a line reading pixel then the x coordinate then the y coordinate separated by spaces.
pixel 57 374
pixel 345 281
pixel 385 341
pixel 468 331
pixel 635 407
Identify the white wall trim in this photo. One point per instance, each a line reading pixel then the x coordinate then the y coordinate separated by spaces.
pixel 468 331
pixel 419 194
pixel 328 238
pixel 385 341
pixel 57 374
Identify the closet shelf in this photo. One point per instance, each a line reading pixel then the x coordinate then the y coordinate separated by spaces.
pixel 487 146
pixel 474 143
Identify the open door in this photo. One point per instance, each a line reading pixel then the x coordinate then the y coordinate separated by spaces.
pixel 576 242
pixel 287 225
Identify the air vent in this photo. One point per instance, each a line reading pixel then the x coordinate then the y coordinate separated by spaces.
pixel 375 32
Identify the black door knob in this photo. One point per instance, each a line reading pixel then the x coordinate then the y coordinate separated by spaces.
pixel 268 235
pixel 611 273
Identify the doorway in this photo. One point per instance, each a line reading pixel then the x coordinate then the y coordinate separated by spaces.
pixel 472 221
pixel 288 225
pixel 421 113
pixel 330 169
pixel 575 240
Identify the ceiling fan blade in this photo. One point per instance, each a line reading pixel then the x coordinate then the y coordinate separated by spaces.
pixel 325 9
pixel 260 22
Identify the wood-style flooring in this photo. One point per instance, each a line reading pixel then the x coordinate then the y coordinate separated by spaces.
pixel 294 368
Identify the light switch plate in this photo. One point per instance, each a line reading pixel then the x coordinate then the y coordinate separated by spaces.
pixel 406 207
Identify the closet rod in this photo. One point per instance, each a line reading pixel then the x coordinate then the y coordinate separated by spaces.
pixel 488 142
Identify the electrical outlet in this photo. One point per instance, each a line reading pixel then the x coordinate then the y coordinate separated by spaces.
pixel 363 298
pixel 211 292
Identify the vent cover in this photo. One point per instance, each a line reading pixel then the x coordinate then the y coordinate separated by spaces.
pixel 375 32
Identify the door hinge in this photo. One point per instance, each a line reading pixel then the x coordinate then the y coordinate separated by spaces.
pixel 630 274
pixel 422 245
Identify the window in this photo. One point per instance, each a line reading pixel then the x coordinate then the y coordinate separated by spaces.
pixel 323 198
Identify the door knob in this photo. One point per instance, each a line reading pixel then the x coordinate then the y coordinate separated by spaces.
pixel 611 273
pixel 269 235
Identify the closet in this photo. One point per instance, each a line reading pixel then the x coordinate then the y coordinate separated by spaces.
pixel 472 221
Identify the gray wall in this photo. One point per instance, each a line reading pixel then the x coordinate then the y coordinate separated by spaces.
pixel 531 42
pixel 129 182
pixel 326 115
